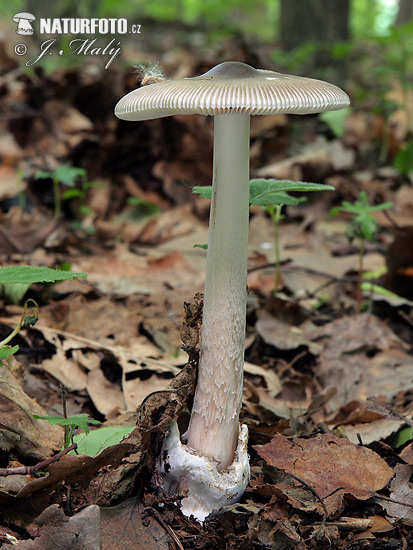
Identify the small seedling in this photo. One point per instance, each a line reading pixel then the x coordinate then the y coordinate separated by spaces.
pixel 272 195
pixel 404 159
pixel 362 225
pixel 68 176
pixel 24 276
pixel 139 211
pixel 81 421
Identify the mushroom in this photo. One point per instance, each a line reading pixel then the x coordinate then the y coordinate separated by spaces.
pixel 23 23
pixel 213 465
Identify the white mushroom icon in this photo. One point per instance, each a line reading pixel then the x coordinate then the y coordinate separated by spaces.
pixel 23 21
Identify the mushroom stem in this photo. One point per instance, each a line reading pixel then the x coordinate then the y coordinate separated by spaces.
pixel 214 425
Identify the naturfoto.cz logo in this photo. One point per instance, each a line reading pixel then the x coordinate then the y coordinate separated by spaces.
pixel 74 26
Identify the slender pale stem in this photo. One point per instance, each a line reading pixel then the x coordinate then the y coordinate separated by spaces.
pixel 214 426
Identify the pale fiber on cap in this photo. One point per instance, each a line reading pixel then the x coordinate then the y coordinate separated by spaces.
pixel 241 89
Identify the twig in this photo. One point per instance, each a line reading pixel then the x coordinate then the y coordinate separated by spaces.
pixel 321 501
pixel 25 470
pixel 394 501
pixel 314 493
pixel 305 269
pixel 167 528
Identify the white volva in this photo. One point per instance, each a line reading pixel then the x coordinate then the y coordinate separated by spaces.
pixel 208 489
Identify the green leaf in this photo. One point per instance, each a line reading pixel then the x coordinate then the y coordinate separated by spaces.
pixel 28 274
pixel 6 351
pixel 203 246
pixel 287 185
pixel 72 194
pixel 402 437
pixel 275 192
pixel 203 191
pixel 43 175
pixel 64 174
pixel 275 198
pixel 271 191
pixel 363 224
pixel 336 120
pixel 79 420
pixel 15 292
pixel 145 207
pixel 98 440
pixel 404 159
pixel 68 174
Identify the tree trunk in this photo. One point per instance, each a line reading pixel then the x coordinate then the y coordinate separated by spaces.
pixel 314 21
pixel 405 12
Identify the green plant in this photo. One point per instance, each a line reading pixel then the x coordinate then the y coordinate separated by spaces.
pixel 272 195
pixel 336 120
pixel 362 225
pixel 96 441
pixel 403 161
pixel 139 210
pixel 24 276
pixel 81 421
pixel 68 176
pixel 403 436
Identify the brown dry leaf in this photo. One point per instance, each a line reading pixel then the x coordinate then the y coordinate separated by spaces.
pixel 138 388
pixel 272 381
pixel 69 126
pixel 24 231
pixel 78 470
pixel 344 362
pixel 169 225
pixel 129 524
pixel 104 320
pixel 21 431
pixel 106 396
pixel 361 128
pixel 329 464
pixel 403 205
pixel 122 272
pixel 370 421
pixel 58 531
pixel 124 526
pixel 282 335
pixel 322 155
pixel 10 184
pixel 401 490
pixel 381 525
pixel 262 124
pixel 62 366
pixel 140 370
pixel 376 430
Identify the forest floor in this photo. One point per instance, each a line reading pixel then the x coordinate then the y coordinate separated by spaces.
pixel 328 389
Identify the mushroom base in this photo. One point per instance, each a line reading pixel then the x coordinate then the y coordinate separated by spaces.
pixel 180 468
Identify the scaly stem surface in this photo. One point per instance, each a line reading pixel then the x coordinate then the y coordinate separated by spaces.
pixel 214 425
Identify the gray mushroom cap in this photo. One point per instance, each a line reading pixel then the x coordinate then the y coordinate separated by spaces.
pixel 232 87
pixel 23 15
